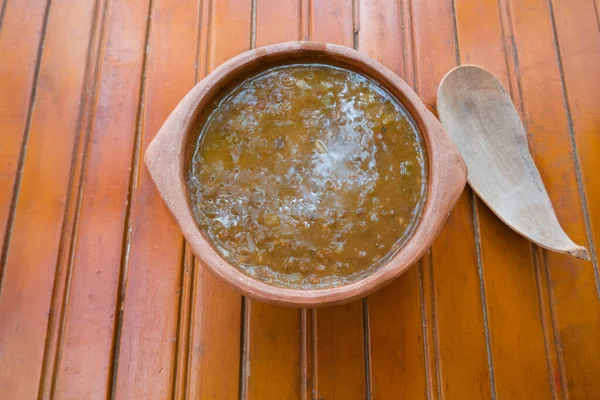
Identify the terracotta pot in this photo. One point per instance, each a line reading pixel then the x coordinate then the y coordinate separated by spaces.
pixel 169 155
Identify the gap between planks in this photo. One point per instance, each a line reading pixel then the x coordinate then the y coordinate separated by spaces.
pixel 187 291
pixel 555 360
pixel 307 344
pixel 365 303
pixel 12 210
pixel 246 303
pixel 545 318
pixel 54 334
pixel 203 37
pixel 555 331
pixel 428 314
pixel 597 10
pixel 127 228
pixel 580 184
pixel 477 240
pixel 427 292
pixel 2 12
pixel 484 307
pixel 182 343
pixel 554 364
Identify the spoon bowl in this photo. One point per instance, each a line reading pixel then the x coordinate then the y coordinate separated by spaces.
pixel 480 117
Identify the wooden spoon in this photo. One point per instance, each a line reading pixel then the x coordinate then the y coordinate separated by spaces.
pixel 481 119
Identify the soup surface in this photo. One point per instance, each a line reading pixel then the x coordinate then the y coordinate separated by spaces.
pixel 307 176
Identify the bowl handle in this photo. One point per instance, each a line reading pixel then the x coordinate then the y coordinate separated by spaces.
pixel 164 158
pixel 448 172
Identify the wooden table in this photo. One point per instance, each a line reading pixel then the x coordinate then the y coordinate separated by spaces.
pixel 100 297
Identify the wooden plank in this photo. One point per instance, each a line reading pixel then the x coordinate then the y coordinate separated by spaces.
pixel 273 357
pixel 425 270
pixel 453 269
pixel 148 338
pixel 278 21
pixel 541 277
pixel 214 339
pixel 579 67
pixel 381 33
pixel 84 348
pixel 41 223
pixel 186 304
pixel 52 284
pixel 517 337
pixel 338 342
pixel 331 21
pixel 307 351
pixel 578 34
pixel 230 30
pixel 273 365
pixel 460 331
pixel 216 308
pixel 397 347
pixel 508 271
pixel 430 338
pixel 573 294
pixel 64 265
pixel 340 361
pixel 479 35
pixel 23 25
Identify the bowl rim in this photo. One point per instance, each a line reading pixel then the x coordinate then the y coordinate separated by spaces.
pixel 166 155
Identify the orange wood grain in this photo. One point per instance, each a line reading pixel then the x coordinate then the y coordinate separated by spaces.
pixel 580 66
pixel 381 34
pixel 434 50
pixel 214 360
pixel 89 319
pixel 331 21
pixel 546 312
pixel 508 271
pixel 307 352
pixel 64 267
pixel 278 21
pixel 184 324
pixel 273 336
pixel 93 281
pixel 273 333
pixel 573 293
pixel 340 362
pixel 580 63
pixel 17 74
pixel 516 330
pixel 395 319
pixel 38 240
pixel 430 338
pixel 339 356
pixel 152 286
pixel 461 347
pixel 456 296
pixel 230 30
pixel 397 348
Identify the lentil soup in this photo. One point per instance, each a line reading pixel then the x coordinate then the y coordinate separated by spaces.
pixel 307 176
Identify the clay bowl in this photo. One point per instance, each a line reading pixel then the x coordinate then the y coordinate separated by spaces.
pixel 169 155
